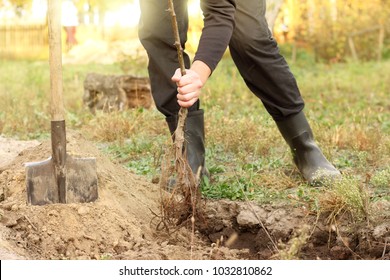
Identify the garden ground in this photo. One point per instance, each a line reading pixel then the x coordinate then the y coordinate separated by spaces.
pixel 122 223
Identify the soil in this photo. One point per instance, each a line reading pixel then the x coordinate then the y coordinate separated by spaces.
pixel 121 224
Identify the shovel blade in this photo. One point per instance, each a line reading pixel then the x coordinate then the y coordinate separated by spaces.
pixel 80 181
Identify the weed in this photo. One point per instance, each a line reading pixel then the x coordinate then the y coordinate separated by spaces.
pixel 345 196
pixel 106 256
pixel 292 249
pixel 381 179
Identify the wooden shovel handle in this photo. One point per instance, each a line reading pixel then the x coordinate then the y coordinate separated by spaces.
pixel 55 60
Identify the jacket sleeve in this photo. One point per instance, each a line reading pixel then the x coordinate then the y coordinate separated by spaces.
pixel 218 17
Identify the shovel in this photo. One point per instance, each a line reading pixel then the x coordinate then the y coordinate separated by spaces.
pixel 61 178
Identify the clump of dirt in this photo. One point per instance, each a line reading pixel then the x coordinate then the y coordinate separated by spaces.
pixel 121 224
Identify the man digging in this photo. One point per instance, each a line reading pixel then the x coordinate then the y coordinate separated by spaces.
pixel 241 25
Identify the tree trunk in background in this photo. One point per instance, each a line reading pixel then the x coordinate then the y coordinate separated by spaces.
pixel 273 9
pixel 116 92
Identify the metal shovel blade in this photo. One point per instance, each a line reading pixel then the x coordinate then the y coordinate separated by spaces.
pixel 80 181
pixel 61 178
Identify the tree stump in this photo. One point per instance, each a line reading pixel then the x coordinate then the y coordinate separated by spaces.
pixel 116 92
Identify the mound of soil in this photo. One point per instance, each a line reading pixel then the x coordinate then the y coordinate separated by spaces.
pixel 121 224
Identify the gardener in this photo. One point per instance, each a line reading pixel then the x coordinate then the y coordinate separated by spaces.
pixel 242 26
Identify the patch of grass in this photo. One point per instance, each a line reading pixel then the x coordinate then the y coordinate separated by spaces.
pixel 238 177
pixel 225 187
pixel 381 179
pixel 345 196
pixel 25 94
pixel 352 160
pixel 129 153
pixel 380 182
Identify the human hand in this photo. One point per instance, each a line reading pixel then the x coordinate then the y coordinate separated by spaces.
pixel 188 87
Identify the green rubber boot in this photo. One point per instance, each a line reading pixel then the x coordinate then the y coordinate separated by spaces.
pixel 194 141
pixel 307 156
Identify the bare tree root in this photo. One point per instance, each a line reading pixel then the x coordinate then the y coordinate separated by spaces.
pixel 179 192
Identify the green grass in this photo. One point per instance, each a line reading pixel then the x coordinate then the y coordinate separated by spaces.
pixel 348 106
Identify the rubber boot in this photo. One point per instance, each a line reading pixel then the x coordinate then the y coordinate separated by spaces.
pixel 194 141
pixel 307 156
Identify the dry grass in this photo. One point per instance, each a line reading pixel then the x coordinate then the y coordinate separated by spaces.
pixel 292 249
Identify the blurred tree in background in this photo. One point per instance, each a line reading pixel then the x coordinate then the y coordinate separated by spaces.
pixel 335 29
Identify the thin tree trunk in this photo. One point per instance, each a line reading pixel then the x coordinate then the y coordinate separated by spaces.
pixel 273 9
pixel 381 40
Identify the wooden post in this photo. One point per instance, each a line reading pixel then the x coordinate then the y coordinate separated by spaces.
pixel 353 49
pixel 272 12
pixel 375 28
pixel 294 52
pixel 381 40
